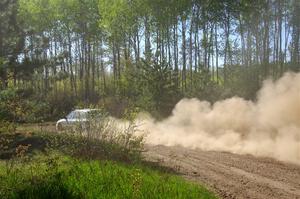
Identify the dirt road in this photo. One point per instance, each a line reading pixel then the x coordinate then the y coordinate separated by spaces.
pixel 231 175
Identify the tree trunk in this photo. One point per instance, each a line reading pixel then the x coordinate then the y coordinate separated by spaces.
pixel 183 53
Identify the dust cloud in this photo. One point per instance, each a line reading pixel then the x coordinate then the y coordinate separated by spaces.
pixel 268 127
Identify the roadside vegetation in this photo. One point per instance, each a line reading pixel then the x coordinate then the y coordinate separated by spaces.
pixel 60 176
pixel 72 164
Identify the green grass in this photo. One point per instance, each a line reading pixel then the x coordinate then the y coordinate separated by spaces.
pixel 68 166
pixel 60 176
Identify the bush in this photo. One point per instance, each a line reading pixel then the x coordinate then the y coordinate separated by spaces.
pixel 19 105
pixel 7 127
pixel 37 111
pixel 60 104
pixel 11 106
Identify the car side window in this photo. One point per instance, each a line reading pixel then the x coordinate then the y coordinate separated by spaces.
pixel 80 115
pixel 70 115
pixel 77 115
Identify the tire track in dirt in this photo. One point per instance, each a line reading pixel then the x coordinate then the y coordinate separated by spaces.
pixel 231 175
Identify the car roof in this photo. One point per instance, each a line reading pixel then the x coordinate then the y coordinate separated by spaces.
pixel 85 110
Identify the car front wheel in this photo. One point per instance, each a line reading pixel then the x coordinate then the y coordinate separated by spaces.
pixel 59 127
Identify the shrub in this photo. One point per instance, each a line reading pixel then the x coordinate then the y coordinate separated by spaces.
pixel 19 105
pixel 11 106
pixel 60 103
pixel 7 127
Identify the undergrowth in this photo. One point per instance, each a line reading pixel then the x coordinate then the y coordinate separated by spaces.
pixel 103 161
pixel 61 176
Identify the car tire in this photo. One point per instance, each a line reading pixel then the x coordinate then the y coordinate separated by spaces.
pixel 59 127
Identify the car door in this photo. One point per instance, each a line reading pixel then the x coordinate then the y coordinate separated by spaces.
pixel 71 119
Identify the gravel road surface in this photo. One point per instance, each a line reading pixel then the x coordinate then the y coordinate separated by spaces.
pixel 231 175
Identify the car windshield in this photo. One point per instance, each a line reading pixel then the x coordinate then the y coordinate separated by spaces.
pixel 77 115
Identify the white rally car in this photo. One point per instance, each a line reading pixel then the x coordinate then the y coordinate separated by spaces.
pixel 77 118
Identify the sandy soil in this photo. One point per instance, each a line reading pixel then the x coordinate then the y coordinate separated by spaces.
pixel 231 175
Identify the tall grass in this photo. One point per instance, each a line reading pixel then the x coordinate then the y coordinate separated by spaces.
pixel 114 137
pixel 59 176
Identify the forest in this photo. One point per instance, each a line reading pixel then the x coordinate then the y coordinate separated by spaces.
pixel 127 56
